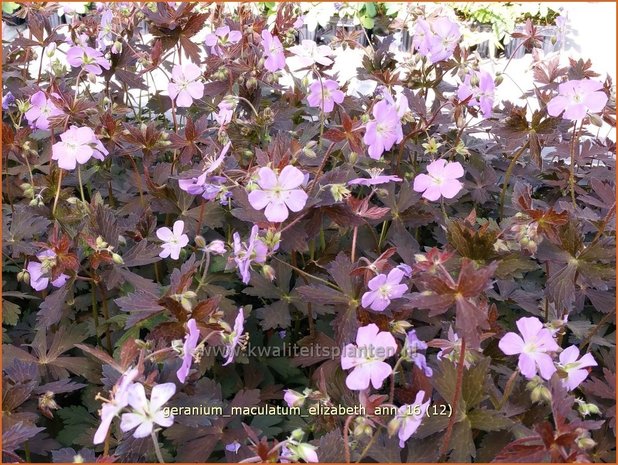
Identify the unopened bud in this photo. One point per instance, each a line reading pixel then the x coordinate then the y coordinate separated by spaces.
pixel 51 50
pixel 268 272
pixel 498 79
pixel 595 119
pixel 23 276
pixel 400 326
pixel 200 242
pixel 117 259
pixel 339 192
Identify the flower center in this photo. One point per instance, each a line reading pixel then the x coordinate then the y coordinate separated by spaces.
pixel 385 290
pixel 530 348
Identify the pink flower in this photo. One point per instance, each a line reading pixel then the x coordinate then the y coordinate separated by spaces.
pixel 119 400
pixel 576 98
pixel 367 356
pixel 294 398
pixel 234 338
pixel 436 39
pixel 308 53
pixel 324 95
pixel 40 272
pixel 40 109
pixel 574 369
pixel 244 254
pixel 375 179
pixel 441 180
pixel 226 111
pixel 384 130
pixel 221 37
pixel 273 51
pixel 186 85
pixel 87 57
pixel 173 241
pixel 482 91
pixel 383 289
pixel 409 417
pixel 216 247
pixel 533 348
pixel 77 145
pixel 191 339
pixel 206 185
pixel 279 193
pixel 146 413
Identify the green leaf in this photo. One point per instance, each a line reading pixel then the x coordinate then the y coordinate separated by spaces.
pixel 367 22
pixel 78 423
pixel 10 312
pixel 9 7
pixel 488 420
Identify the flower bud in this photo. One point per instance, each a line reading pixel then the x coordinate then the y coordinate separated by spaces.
pixel 498 79
pixel 293 398
pixel 400 326
pixel 51 50
pixel 596 120
pixel 23 105
pixel 23 276
pixel 117 259
pixel 297 435
pixel 268 272
pixel 339 192
pixel 117 47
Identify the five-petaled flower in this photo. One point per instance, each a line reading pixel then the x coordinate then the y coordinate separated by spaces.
pixel 221 37
pixel 367 356
pixel 273 51
pixel 173 241
pixel 533 346
pixel 384 130
pixel 576 98
pixel 481 87
pixel 408 418
pixel 324 94
pixel 308 53
pixel 186 85
pixel 277 194
pixel 191 339
pixel 440 180
pixel 77 145
pixel 41 108
pixel 146 413
pixel 572 368
pixel 88 58
pixel 436 39
pixel 375 178
pixel 384 288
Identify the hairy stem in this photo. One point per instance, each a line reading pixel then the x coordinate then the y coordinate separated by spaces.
pixel 456 396
pixel 155 442
pixel 346 437
pixel 507 175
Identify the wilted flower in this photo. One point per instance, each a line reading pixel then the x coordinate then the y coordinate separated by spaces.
pixel 112 407
pixel 277 194
pixel 482 91
pixel 40 273
pixel 437 38
pixel 273 51
pixel 384 288
pixel 408 418
pixel 7 100
pixel 414 349
pixel 441 180
pixel 293 398
pixel 173 241
pixel 186 85
pixel 324 94
pixel 234 338
pixel 576 98
pixel 376 178
pixel 216 247
pixel 384 130
pixel 533 347
pixel 88 58
pixel 105 37
pixel 191 340
pixel 367 356
pixel 226 111
pixel 573 371
pixel 221 37
pixel 255 250
pixel 77 145
pixel 146 413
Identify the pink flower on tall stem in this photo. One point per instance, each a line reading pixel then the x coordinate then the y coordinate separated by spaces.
pixel 324 94
pixel 367 356
pixel 273 51
pixel 147 413
pixel 308 53
pixel 573 367
pixel 409 417
pixel 277 194
pixel 186 85
pixel 384 130
pixel 436 39
pixel 576 98
pixel 234 338
pixel 382 289
pixel 254 250
pixel 533 346
pixel 41 108
pixel 441 180
pixel 88 58
pixel 77 145
pixel 191 339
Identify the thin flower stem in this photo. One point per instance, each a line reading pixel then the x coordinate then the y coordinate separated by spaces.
pixel 369 444
pixel 304 273
pixel 81 186
pixel 572 167
pixel 391 395
pixel 346 435
pixel 507 176
pixel 353 250
pixel 455 405
pixel 57 193
pixel 508 389
pixel 155 442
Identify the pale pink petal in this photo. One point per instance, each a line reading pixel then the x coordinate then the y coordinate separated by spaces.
pixel 191 71
pixel 546 365
pixel 450 188
pixel 259 199
pixel 432 193
pixel 511 344
pixel 276 212
pixel 358 379
pixel 143 430
pixel 267 179
pixel 422 182
pixel 165 234
pixel 366 300
pixel 529 327
pixel 161 393
pixel 379 372
pixel 527 366
pixel 575 378
pixel 130 421
pixel 575 112
pixel 366 334
pixel 196 90
pixel 179 227
pixel 569 355
pixel 291 177
pixel 557 105
pixel 453 170
pixel 184 99
pixel 595 101
pixel 296 200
